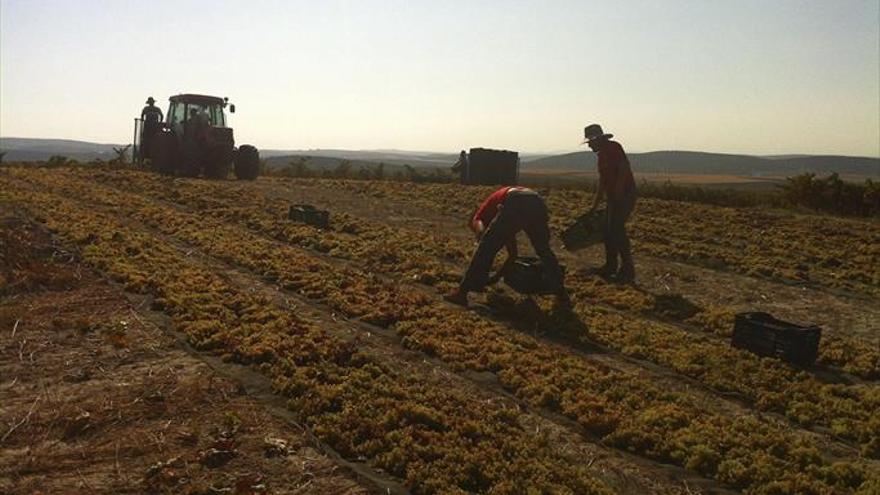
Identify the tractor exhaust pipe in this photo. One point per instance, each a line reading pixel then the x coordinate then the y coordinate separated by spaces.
pixel 135 143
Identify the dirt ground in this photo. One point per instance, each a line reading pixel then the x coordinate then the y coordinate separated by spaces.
pixel 96 398
pixel 98 394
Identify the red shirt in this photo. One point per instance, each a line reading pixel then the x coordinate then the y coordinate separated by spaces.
pixel 487 211
pixel 615 174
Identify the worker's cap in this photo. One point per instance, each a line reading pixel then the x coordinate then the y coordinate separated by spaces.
pixel 594 131
pixel 150 101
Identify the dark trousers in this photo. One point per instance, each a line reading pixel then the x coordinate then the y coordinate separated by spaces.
pixel 147 133
pixel 521 211
pixel 616 241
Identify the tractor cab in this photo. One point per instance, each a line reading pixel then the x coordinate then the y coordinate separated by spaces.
pixel 196 109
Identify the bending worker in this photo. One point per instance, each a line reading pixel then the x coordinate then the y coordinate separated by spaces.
pixel 617 184
pixel 496 222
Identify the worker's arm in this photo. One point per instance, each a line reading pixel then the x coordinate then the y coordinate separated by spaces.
pixel 598 197
pixel 478 228
pixel 476 222
pixel 616 171
pixel 604 180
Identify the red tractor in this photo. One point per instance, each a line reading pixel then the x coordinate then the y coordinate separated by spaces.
pixel 193 140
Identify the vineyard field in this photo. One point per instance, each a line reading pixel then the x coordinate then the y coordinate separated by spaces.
pixel 172 335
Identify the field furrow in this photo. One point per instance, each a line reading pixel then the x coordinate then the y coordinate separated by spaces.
pixel 436 259
pixel 435 439
pixel 822 251
pixel 844 410
pixel 626 411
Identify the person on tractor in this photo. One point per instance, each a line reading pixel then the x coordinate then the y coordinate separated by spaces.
pixel 152 113
pixel 196 135
pixel 152 117
pixel 197 126
pixel 462 163
pixel 496 223
pixel 616 183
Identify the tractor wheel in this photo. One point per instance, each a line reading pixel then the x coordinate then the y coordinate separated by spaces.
pixel 163 153
pixel 247 162
pixel 217 163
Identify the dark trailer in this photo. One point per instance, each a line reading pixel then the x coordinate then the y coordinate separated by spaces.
pixel 490 167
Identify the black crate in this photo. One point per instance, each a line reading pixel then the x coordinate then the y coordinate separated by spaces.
pixel 587 230
pixel 764 335
pixel 527 275
pixel 310 215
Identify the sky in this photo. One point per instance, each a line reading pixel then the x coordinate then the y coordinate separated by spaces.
pixel 752 76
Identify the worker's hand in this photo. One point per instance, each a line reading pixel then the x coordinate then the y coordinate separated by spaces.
pixel 478 229
pixel 495 278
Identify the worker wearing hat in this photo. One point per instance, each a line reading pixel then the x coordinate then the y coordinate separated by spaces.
pixel 152 117
pixel 617 185
pixel 151 113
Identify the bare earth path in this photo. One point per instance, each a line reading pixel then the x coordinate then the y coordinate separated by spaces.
pixel 97 398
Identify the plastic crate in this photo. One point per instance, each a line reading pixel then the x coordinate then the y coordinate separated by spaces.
pixel 310 215
pixel 587 230
pixel 527 275
pixel 765 335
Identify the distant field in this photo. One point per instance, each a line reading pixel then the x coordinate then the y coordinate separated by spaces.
pixel 705 180
pixel 757 183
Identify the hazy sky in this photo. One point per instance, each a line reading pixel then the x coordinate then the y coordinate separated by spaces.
pixel 760 77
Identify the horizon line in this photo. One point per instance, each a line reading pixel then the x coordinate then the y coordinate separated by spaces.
pixel 547 153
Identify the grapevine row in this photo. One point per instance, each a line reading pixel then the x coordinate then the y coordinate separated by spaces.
pixel 848 411
pixel 626 411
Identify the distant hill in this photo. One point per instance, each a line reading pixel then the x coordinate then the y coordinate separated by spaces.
pixel 692 162
pixel 30 149
pixel 416 159
pixel 669 162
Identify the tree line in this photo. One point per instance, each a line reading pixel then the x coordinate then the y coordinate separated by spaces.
pixel 299 168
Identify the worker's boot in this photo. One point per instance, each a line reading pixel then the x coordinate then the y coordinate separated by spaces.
pixel 610 266
pixel 459 297
pixel 563 300
pixel 627 272
pixel 606 270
